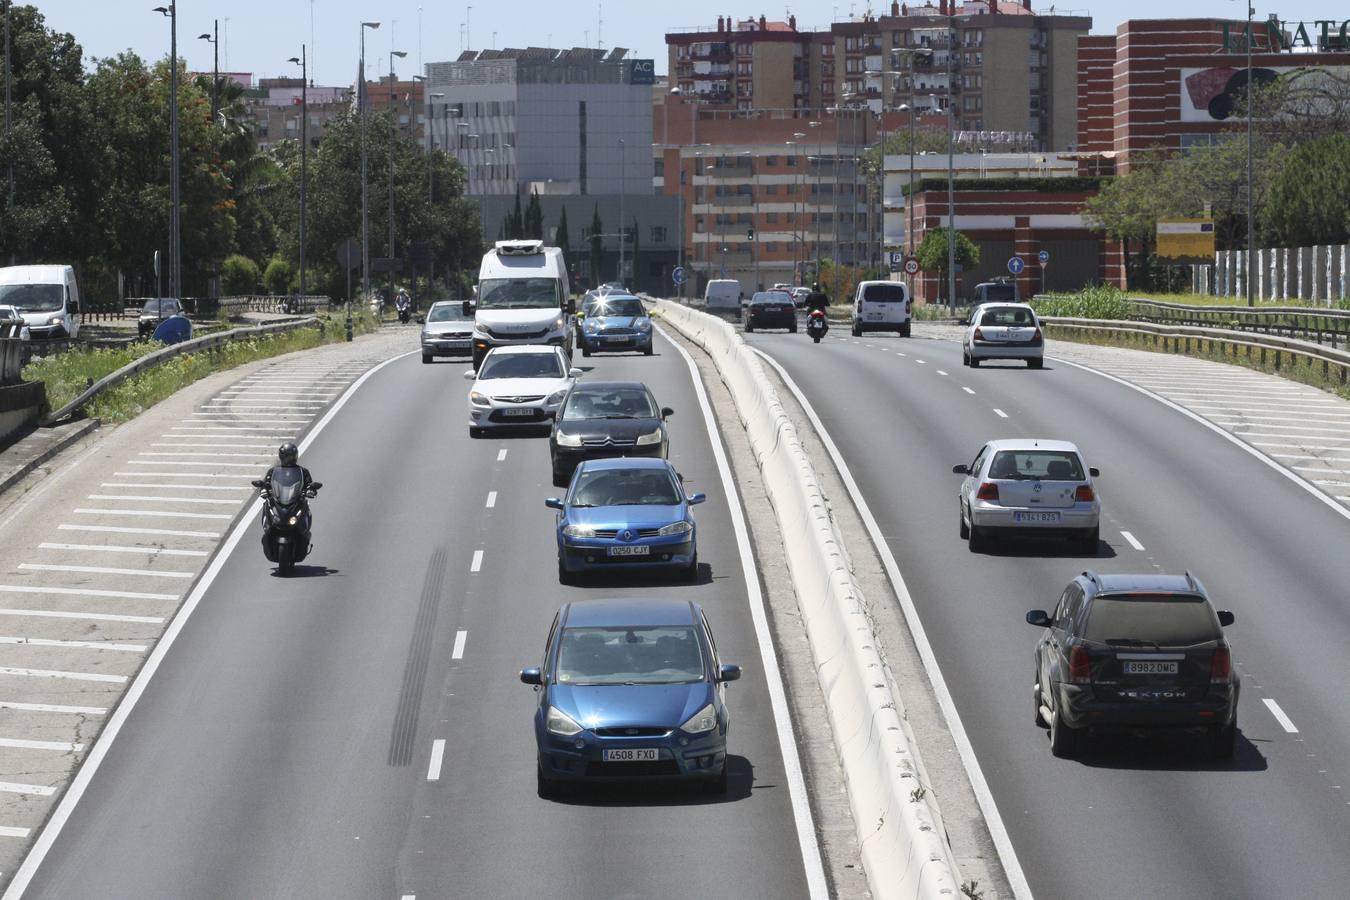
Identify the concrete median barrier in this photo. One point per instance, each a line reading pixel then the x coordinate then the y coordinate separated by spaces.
pixel 900 833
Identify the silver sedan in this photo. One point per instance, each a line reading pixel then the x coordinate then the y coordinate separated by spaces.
pixel 1003 331
pixel 1039 488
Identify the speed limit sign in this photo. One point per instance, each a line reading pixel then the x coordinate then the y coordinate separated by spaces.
pixel 911 265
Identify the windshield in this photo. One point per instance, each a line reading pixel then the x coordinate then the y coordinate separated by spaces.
pixel 1175 620
pixel 615 306
pixel 287 483
pixel 770 297
pixel 518 293
pixel 618 403
pixel 625 487
pixel 33 297
pixel 448 312
pixel 631 655
pixel 884 293
pixel 1054 465
pixel 1007 315
pixel 160 308
pixel 1003 292
pixel 521 365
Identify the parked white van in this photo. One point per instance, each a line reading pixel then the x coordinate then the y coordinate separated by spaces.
pixel 47 297
pixel 523 298
pixel 722 296
pixel 881 306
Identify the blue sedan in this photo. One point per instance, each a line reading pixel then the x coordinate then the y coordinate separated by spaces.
pixel 614 322
pixel 631 689
pixel 628 513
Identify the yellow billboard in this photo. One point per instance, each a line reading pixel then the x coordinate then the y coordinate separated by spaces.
pixel 1186 240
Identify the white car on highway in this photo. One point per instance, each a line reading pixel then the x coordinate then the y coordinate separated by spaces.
pixel 518 385
pixel 1029 487
pixel 1003 331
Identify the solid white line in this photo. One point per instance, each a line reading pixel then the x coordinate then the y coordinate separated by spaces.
pixel 81 645
pixel 93 617
pixel 53 708
pixel 190 462
pixel 477 563
pixel 53 673
pixel 967 390
pixel 190 487
pixel 13 787
pixel 167 532
pixel 150 512
pixel 158 453
pixel 115 548
pixel 1132 540
pixel 437 756
pixel 501 454
pixel 773 679
pixel 201 445
pixel 491 499
pixel 1012 867
pixel 1285 722
pixel 460 637
pixel 1299 437
pixel 160 499
pixel 143 473
pixel 1269 422
pixel 101 570
pixel 252 392
pixel 21 744
pixel 1000 413
pixel 61 815
pixel 11 831
pixel 83 592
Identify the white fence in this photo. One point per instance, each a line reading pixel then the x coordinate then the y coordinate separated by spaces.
pixel 1319 274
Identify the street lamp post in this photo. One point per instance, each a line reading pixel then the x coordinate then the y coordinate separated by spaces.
pixel 393 119
pixel 798 232
pixel 9 99
pixel 214 40
pixel 951 177
pixel 365 190
pixel 175 262
pixel 431 122
pixel 623 224
pixel 303 62
pixel 815 126
pixel 1251 224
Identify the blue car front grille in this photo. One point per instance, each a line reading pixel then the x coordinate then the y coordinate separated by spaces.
pixel 632 731
pixel 641 532
pixel 658 769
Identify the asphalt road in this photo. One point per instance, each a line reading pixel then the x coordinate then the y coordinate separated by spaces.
pixel 285 746
pixel 1139 817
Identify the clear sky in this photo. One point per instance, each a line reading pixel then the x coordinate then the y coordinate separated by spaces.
pixel 258 36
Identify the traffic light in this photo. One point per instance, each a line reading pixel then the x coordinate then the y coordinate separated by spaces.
pixel 750 234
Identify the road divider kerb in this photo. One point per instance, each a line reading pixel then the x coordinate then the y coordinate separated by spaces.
pixel 900 834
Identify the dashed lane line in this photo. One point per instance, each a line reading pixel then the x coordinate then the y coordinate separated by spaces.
pixel 967 390
pixel 1285 722
pixel 501 455
pixel 83 592
pixel 76 645
pixel 491 499
pixel 1000 413
pixel 12 831
pixel 477 563
pixel 437 757
pixel 174 462
pixel 102 570
pixel 118 548
pixel 1132 541
pixel 163 532
pixel 93 617
pixel 461 637
pixel 190 487
pixel 69 676
pixel 940 372
pixel 54 708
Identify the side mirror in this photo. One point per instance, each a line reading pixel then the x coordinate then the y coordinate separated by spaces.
pixel 729 672
pixel 1039 618
pixel 74 307
pixel 1094 472
pixel 531 676
pixel 259 483
pixel 667 412
pixel 574 372
pixel 571 305
pixel 315 485
pixel 1226 618
pixel 695 499
pixel 466 307
pixel 962 469
pixel 421 320
pixel 554 503
pixel 470 375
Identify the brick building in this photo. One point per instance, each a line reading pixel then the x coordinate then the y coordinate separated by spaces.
pixel 274 109
pixel 406 98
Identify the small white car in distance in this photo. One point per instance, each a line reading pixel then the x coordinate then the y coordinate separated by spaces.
pixel 518 385
pixel 1029 487
pixel 1003 331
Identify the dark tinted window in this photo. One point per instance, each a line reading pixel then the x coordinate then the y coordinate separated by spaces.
pixel 1168 620
pixel 771 297
pixel 667 654
pixel 617 403
pixel 521 365
pixel 999 293
pixel 884 293
pixel 625 487
pixel 448 312
pixel 1054 465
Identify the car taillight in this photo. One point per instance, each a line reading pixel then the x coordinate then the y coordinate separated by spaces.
pixel 1080 666
pixel 987 491
pixel 979 335
pixel 1036 336
pixel 1221 666
pixel 1084 493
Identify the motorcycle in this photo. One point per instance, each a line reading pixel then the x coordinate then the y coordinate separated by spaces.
pixel 816 326
pixel 286 518
pixel 404 311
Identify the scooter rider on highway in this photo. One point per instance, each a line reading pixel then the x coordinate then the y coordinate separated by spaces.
pixel 817 299
pixel 288 455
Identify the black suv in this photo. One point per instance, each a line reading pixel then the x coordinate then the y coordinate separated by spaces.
pixel 1134 652
pixel 154 312
pixel 771 309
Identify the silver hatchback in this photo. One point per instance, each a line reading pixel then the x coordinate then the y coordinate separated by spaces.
pixel 1026 487
pixel 1003 331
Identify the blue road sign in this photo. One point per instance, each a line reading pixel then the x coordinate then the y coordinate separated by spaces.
pixel 173 330
pixel 677 275
pixel 897 260
pixel 1043 257
pixel 1015 265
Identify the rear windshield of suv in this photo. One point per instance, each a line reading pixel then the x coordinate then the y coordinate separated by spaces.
pixel 1168 620
pixel 884 293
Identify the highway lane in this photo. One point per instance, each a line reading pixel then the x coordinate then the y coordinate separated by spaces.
pixel 285 747
pixel 1138 817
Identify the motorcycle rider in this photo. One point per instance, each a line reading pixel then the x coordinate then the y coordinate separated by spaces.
pixel 817 299
pixel 288 455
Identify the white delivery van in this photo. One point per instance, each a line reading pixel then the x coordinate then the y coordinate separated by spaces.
pixel 523 298
pixel 881 306
pixel 47 297
pixel 722 297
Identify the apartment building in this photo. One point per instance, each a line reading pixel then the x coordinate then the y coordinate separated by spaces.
pixel 274 109
pixel 406 98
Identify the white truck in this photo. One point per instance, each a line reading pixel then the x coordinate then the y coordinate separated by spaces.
pixel 47 297
pixel 523 298
pixel 722 297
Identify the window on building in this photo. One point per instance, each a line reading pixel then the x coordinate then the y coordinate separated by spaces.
pixel 744 105
pixel 771 247
pixel 743 49
pixel 771 189
pixel 853 66
pixel 851 44
pixel 827 49
pixel 698 225
pixel 771 218
pixel 659 168
pixel 743 68
pixel 658 234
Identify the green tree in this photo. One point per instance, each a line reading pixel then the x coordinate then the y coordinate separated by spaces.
pixel 932 252
pixel 277 276
pixel 597 246
pixel 1308 194
pixel 516 223
pixel 239 275
pixel 534 218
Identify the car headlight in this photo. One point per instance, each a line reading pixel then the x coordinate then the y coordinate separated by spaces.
pixel 568 440
pixel 651 437
pixel 644 326
pixel 558 722
pixel 676 528
pixel 54 320
pixel 556 397
pixel 558 323
pixel 591 325
pixel 701 722
pixel 478 399
pixel 578 531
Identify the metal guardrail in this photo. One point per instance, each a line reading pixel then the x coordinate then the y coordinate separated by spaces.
pixel 150 360
pixel 310 303
pixel 1321 325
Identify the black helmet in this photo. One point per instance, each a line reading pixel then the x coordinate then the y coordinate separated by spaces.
pixel 288 453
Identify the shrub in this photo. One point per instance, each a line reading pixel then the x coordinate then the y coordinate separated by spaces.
pixel 239 275
pixel 1098 302
pixel 277 276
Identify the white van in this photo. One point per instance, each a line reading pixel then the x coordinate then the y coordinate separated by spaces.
pixel 523 298
pixel 47 297
pixel 722 296
pixel 881 306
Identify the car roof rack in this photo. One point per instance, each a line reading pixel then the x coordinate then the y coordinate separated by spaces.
pixel 1092 577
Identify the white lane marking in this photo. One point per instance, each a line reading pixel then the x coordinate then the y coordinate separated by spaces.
pixel 103 570
pixel 254 392
pixel 191 462
pixel 220 429
pixel 477 563
pixel 80 645
pixel 501 455
pixel 61 815
pixel 460 637
pixel 83 592
pixel 1295 437
pixel 967 390
pixel 150 512
pixel 12 831
pixel 161 453
pixel 1132 540
pixel 492 499
pixel 93 617
pixel 190 487
pixel 1285 722
pixel 940 372
pixel 117 548
pixel 199 500
pixel 53 708
pixel 437 757
pixel 54 673
pixel 208 444
pixel 166 532
pixel 898 353
pixel 21 744
pixel 1269 422
pixel 1000 413
pixel 773 680
pixel 1012 867
pixel 143 473
pixel 14 787
pixel 922 362
pixel 408 897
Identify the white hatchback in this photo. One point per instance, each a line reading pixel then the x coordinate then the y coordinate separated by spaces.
pixel 518 385
pixel 1003 331
pixel 1029 487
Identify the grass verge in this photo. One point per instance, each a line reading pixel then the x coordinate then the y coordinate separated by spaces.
pixel 67 375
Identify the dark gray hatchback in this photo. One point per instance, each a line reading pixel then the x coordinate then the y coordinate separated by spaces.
pixel 1134 653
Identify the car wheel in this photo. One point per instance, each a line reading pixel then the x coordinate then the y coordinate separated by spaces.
pixel 560 478
pixel 475 431
pixel 904 330
pixel 974 363
pixel 792 329
pixel 1223 740
pixel 545 787
pixel 690 572
pixel 1036 701
pixel 857 332
pixel 648 350
pixel 564 576
pixel 965 357
pixel 749 329
pixel 965 529
pixel 1065 742
pixel 1035 363
pixel 585 351
pixel 717 786
pixel 1091 537
pixel 976 540
pixel 426 358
